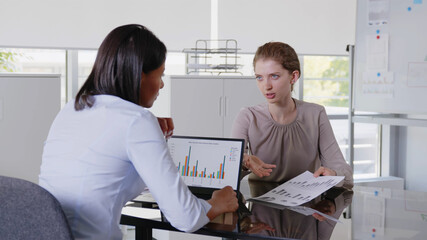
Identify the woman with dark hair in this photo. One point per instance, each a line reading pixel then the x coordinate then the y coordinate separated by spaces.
pixel 104 148
pixel 286 136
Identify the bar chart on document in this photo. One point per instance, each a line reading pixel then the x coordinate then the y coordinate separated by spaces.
pixel 300 189
pixel 205 162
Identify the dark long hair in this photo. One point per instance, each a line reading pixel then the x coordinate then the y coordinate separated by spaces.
pixel 126 53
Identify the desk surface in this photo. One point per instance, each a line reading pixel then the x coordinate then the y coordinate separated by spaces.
pixel 264 222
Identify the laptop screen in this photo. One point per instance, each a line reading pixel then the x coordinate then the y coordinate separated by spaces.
pixel 207 162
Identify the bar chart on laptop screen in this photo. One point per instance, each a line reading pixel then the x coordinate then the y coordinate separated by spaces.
pixel 205 162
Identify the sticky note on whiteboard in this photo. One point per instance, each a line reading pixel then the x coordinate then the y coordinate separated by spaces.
pixel 418 1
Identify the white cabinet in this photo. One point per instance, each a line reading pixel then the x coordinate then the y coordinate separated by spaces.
pixel 28 106
pixel 207 105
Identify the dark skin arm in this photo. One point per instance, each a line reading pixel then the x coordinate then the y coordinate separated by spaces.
pixel 222 201
pixel 166 125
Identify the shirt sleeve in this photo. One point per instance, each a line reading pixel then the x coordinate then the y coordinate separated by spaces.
pixel 148 152
pixel 240 130
pixel 330 153
pixel 241 127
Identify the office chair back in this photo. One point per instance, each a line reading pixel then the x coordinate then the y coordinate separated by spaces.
pixel 28 211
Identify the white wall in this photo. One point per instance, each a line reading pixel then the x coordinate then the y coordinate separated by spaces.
pixel 310 26
pixel 29 103
pixel 84 23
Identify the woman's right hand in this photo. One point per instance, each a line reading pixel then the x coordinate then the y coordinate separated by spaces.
pixel 325 206
pixel 222 201
pixel 166 124
pixel 257 166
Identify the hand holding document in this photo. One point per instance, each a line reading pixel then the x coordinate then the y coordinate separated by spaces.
pixel 299 190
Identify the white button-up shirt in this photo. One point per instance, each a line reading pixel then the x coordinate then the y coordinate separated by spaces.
pixel 97 159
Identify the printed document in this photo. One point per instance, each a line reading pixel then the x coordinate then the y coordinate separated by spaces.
pixel 299 189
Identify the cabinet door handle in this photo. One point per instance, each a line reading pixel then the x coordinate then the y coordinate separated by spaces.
pixel 220 106
pixel 225 106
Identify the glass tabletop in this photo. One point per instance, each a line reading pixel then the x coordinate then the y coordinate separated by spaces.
pixel 286 222
pixel 255 220
pixel 385 213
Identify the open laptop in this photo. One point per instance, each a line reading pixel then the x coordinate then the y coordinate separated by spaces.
pixel 207 164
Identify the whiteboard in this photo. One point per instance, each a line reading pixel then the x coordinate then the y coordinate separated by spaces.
pixel 28 106
pixel 390 61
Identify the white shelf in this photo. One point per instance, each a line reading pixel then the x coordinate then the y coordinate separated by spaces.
pixel 408 122
pixel 203 59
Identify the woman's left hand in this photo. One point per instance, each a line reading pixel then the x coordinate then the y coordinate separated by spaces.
pixel 257 166
pixel 324 171
pixel 258 227
pixel 166 124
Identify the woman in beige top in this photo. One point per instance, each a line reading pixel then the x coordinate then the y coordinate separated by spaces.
pixel 286 136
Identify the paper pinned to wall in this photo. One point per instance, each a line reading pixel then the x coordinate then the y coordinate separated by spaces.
pixel 374 214
pixel 415 202
pixel 379 12
pixel 417 74
pixel 377 52
pixel 379 84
